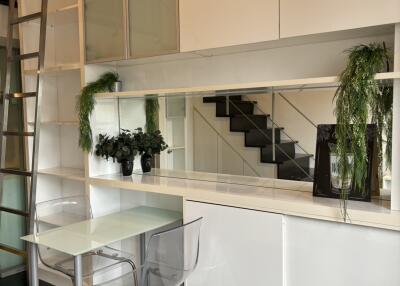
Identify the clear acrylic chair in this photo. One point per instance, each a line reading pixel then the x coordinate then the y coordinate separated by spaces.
pixel 69 210
pixel 171 256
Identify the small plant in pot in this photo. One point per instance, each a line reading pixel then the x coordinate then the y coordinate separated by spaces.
pixel 149 143
pixel 122 148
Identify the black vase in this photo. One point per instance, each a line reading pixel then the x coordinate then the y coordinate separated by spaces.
pixel 127 167
pixel 146 162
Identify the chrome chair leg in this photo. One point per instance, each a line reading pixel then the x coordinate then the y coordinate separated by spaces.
pixel 122 260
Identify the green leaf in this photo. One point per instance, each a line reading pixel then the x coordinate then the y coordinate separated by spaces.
pixel 358 95
pixel 85 105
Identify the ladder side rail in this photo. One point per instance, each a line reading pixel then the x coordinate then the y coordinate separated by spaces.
pixel 39 89
pixel 6 83
pixel 6 86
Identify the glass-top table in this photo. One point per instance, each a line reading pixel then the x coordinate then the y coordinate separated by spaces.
pixel 82 237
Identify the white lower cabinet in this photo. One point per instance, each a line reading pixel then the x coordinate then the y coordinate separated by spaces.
pixel 238 247
pixel 331 254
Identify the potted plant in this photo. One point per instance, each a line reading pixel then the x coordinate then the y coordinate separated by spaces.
pixel 122 148
pixel 149 143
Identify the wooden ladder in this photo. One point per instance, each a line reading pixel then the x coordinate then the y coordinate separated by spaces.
pixel 7 95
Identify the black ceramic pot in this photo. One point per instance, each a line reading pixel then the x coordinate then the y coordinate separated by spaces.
pixel 146 162
pixel 127 167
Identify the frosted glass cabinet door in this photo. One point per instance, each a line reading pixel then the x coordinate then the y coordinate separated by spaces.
pixel 153 27
pixel 105 30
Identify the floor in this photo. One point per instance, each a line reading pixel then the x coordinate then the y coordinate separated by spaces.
pixel 19 279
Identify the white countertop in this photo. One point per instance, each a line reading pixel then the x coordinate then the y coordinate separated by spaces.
pixel 272 195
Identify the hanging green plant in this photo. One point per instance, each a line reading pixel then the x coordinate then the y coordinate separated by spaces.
pixel 381 113
pixel 85 106
pixel 358 96
pixel 151 113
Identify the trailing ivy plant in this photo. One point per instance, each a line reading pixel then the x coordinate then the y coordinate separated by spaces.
pixel 85 106
pixel 151 113
pixel 358 96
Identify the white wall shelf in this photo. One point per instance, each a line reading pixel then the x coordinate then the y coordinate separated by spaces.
pixel 56 68
pixel 64 8
pixel 315 82
pixel 61 123
pixel 65 173
pixel 176 147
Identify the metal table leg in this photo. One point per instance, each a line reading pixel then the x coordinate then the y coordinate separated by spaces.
pixel 33 265
pixel 142 248
pixel 78 278
pixel 143 258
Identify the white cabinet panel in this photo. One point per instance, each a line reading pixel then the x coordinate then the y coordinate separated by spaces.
pixel 237 246
pixel 330 254
pixel 304 17
pixel 210 24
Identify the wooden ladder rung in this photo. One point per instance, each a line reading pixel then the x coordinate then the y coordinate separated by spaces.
pixel 21 94
pixel 18 133
pixel 12 250
pixel 26 18
pixel 14 211
pixel 24 56
pixel 15 172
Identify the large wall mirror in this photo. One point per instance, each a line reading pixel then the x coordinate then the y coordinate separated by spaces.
pixel 238 135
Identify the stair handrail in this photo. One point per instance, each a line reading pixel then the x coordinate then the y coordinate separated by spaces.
pixel 230 145
pixel 286 134
pixel 266 136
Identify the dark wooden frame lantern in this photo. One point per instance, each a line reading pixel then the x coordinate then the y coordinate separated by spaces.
pixel 326 178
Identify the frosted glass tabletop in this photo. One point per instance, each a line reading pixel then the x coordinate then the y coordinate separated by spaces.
pixel 82 237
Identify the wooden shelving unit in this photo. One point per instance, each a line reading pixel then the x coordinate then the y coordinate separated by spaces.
pixel 61 161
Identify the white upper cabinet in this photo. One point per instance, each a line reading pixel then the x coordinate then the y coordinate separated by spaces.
pixel 209 24
pixel 304 17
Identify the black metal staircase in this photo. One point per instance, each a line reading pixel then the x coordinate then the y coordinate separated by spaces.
pixel 258 134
